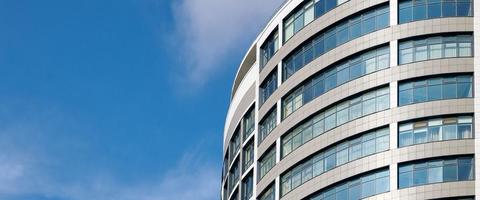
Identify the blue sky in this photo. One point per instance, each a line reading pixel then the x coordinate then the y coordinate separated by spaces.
pixel 118 99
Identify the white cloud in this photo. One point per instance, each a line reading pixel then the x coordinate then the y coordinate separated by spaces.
pixel 212 29
pixel 189 179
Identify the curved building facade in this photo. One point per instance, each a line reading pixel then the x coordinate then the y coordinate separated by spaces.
pixel 357 99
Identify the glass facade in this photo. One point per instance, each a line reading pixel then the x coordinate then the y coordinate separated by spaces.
pixel 234 176
pixel 267 124
pixel 434 48
pixel 334 116
pixel 303 15
pixel 414 10
pixel 247 187
pixel 436 88
pixel 269 194
pixel 435 171
pixel 249 123
pixel 269 48
pixel 435 129
pixel 336 75
pixel 235 143
pixel 346 30
pixel 266 163
pixel 268 86
pixel 248 151
pixel 326 160
pixel 357 188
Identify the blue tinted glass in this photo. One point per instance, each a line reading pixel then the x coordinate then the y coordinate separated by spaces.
pixel 298 24
pixel 382 21
pixel 342 34
pixel 405 180
pixel 330 162
pixel 342 76
pixel 419 12
pixel 355 192
pixel 450 173
pixel 420 176
pixel 464 9
pixel 330 82
pixel 419 94
pixel 355 29
pixel 382 185
pixel 368 189
pixel 308 54
pixel 356 70
pixel 465 169
pixel 330 41
pixel 405 15
pixel 464 90
pixel 448 8
pixel 319 88
pixel 330 4
pixel 319 8
pixel 405 97
pixel 449 91
pixel 434 92
pixel 298 61
pixel 368 24
pixel 434 10
pixel 319 47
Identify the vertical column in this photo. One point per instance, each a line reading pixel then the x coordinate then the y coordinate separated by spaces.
pixel 476 64
pixel 393 53
pixel 277 188
pixel 393 12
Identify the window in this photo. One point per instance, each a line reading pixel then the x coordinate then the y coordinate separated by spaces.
pixel 234 175
pixel 343 112
pixel 336 75
pixel 414 10
pixel 346 151
pixel 435 171
pixel 234 144
pixel 366 185
pixel 269 48
pixel 303 15
pixel 266 163
pixel 348 29
pixel 435 129
pixel 247 187
pixel 268 86
pixel 269 194
pixel 267 124
pixel 423 90
pixel 248 123
pixel 247 156
pixel 434 48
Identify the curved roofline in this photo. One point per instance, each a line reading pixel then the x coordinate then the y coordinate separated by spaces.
pixel 253 45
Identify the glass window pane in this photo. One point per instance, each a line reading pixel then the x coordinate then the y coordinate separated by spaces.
pixel 449 132
pixel 368 23
pixel 405 180
pixel 405 138
pixel 450 173
pixel 406 56
pixel 464 131
pixel 464 90
pixel 405 15
pixel 420 176
pixel 355 28
pixel 434 92
pixel 464 9
pixel 434 133
pixel 465 169
pixel 434 10
pixel 299 22
pixel 448 8
pixel 449 91
pixel 420 136
pixel 382 185
pixel 435 175
pixel 419 11
pixel 419 94
pixel 405 97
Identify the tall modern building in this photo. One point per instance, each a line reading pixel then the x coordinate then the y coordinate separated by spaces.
pixel 357 99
